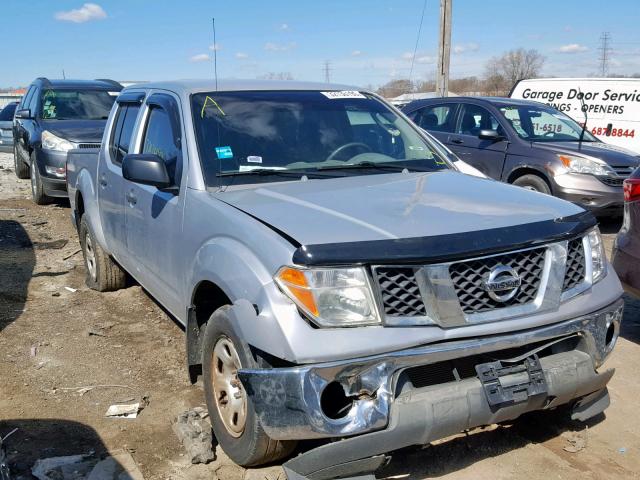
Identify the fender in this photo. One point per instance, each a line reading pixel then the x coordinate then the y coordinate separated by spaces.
pixel 524 164
pixel 236 270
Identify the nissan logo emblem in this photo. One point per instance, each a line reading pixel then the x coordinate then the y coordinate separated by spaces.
pixel 502 283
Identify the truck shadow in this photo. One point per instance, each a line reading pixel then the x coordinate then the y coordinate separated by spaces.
pixel 34 439
pixel 17 261
pixel 463 451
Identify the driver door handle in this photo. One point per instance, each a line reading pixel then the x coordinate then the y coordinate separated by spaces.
pixel 131 198
pixel 457 141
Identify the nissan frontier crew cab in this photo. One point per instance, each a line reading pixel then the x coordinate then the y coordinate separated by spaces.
pixel 336 277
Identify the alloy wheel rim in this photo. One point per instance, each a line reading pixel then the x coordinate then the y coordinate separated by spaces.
pixel 90 256
pixel 230 397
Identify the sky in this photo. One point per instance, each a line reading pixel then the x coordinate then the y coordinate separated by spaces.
pixel 367 43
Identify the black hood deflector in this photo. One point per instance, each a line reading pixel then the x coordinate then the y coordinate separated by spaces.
pixel 445 248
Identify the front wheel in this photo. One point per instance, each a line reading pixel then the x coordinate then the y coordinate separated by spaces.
pixel 37 188
pixel 533 182
pixel 233 418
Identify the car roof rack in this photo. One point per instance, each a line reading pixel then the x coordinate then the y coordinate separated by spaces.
pixel 44 80
pixel 108 80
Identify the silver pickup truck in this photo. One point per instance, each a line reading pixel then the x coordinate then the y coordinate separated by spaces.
pixel 337 278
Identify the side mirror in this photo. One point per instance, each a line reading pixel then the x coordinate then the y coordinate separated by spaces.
pixel 25 114
pixel 147 169
pixel 490 135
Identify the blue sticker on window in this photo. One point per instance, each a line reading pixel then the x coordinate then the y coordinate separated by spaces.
pixel 224 152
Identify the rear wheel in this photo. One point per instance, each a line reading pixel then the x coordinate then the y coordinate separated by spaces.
pixel 21 168
pixel 233 418
pixel 37 189
pixel 103 274
pixel 533 182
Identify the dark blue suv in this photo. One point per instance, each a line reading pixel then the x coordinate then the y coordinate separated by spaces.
pixel 54 117
pixel 531 145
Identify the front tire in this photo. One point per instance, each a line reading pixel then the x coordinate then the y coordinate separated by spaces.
pixel 103 274
pixel 533 182
pixel 233 418
pixel 21 168
pixel 37 188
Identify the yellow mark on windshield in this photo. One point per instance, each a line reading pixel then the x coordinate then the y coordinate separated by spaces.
pixel 206 101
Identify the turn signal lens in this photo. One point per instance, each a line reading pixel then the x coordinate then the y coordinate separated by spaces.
pixel 296 284
pixel 631 188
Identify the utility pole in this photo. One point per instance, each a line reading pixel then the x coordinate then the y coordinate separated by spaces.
pixel 444 50
pixel 605 50
pixel 327 71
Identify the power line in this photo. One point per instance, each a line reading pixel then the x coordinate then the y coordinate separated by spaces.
pixel 326 68
pixel 415 48
pixel 605 51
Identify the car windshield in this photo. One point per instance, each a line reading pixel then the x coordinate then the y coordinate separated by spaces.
pixel 6 114
pixel 70 104
pixel 541 124
pixel 255 136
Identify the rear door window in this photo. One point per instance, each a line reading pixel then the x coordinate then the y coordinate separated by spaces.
pixel 474 118
pixel 438 118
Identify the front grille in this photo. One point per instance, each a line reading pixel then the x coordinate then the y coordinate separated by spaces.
pixel 612 181
pixel 399 291
pixel 623 170
pixel 88 145
pixel 468 278
pixel 576 267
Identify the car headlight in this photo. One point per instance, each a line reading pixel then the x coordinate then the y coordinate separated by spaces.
pixel 331 297
pixel 598 256
pixel 592 166
pixel 52 142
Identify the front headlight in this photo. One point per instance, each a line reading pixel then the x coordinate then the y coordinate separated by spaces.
pixel 591 166
pixel 331 297
pixel 598 256
pixel 52 142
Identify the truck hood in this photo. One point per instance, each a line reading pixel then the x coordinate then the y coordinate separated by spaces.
pixel 78 131
pixel 612 154
pixel 392 206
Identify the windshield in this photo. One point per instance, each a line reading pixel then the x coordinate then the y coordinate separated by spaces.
pixel 76 104
pixel 278 133
pixel 6 114
pixel 542 124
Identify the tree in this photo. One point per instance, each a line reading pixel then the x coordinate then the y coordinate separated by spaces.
pixel 395 87
pixel 502 73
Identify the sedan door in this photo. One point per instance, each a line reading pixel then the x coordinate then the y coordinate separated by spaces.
pixel 486 154
pixel 153 216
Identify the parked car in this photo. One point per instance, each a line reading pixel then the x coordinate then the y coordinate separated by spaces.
pixel 53 117
pixel 626 249
pixel 336 278
pixel 530 145
pixel 6 127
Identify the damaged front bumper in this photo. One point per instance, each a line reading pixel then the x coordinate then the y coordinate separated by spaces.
pixel 374 401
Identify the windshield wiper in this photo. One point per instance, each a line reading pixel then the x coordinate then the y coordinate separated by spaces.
pixel 269 171
pixel 381 166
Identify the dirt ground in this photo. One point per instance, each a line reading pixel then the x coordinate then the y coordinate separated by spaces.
pixel 67 353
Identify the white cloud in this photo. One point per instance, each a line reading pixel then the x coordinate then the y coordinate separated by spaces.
pixel 279 47
pixel 242 55
pixel 465 48
pixel 201 57
pixel 407 56
pixel 571 48
pixel 426 59
pixel 356 53
pixel 215 47
pixel 86 13
pixel 284 26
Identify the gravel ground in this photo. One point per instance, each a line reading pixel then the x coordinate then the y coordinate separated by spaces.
pixel 66 354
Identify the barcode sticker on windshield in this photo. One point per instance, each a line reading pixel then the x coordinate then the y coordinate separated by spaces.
pixel 343 94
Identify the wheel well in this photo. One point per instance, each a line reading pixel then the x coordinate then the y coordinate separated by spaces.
pixel 513 176
pixel 79 208
pixel 206 299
